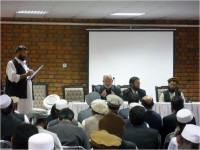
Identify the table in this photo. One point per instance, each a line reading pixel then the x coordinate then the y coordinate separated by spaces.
pixel 163 108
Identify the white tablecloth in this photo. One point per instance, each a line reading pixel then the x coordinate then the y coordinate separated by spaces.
pixel 162 108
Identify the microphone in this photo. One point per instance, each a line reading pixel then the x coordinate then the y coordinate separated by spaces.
pixel 114 80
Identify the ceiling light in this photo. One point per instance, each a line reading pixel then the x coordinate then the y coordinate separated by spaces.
pixel 35 12
pixel 128 14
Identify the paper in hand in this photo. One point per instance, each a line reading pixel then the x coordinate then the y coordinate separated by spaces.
pixel 29 78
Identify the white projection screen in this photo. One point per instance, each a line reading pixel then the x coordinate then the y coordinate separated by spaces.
pixel 147 54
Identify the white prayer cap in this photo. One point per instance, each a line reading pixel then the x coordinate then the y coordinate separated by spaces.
pixel 41 141
pixel 61 104
pixel 50 100
pixel 15 99
pixel 191 133
pixel 5 101
pixel 184 116
pixel 114 100
pixel 99 106
pixel 133 104
pixel 38 113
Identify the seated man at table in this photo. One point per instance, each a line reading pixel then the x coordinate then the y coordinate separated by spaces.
pixel 108 88
pixel 172 90
pixel 88 112
pixel 134 90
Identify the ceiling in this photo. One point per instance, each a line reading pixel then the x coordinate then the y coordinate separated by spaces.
pixel 101 9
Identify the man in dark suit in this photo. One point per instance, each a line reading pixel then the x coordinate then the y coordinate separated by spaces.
pixel 142 136
pixel 153 119
pixel 170 121
pixel 108 88
pixel 134 90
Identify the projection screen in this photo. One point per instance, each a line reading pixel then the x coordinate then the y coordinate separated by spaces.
pixel 147 54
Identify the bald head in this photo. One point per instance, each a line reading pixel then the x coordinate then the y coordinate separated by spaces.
pixel 107 80
pixel 147 102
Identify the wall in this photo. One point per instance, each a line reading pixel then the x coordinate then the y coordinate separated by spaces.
pixel 52 45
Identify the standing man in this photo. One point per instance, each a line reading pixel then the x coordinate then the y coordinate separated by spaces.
pixel 108 88
pixel 134 91
pixel 16 80
pixel 172 91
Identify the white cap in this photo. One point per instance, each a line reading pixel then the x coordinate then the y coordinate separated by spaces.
pixel 99 106
pixel 41 141
pixel 15 99
pixel 50 100
pixel 184 116
pixel 61 104
pixel 114 100
pixel 191 133
pixel 5 101
pixel 131 105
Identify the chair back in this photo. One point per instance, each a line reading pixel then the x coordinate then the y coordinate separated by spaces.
pixel 159 90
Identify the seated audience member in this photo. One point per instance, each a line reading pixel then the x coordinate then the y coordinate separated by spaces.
pixel 41 141
pixel 172 91
pixel 9 122
pixel 41 124
pixel 99 108
pixel 23 133
pixel 170 121
pixel 143 137
pixel 21 117
pixel 49 103
pixel 69 134
pixel 108 88
pixel 114 102
pixel 190 137
pixel 134 91
pixel 114 124
pixel 60 104
pixel 127 121
pixel 131 99
pixel 184 116
pixel 88 112
pixel 53 114
pixel 104 140
pixel 153 119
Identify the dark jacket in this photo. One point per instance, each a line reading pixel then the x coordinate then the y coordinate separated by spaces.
pixel 143 137
pixel 129 96
pixel 153 119
pixel 114 88
pixel 9 124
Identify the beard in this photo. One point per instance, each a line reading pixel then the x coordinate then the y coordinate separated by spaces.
pixel 171 90
pixel 22 58
pixel 136 88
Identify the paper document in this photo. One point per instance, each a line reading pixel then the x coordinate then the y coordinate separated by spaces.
pixel 29 78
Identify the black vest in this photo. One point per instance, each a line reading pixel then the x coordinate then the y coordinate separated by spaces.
pixel 19 116
pixel 18 89
pixel 167 96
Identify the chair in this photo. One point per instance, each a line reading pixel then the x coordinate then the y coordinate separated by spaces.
pixel 5 144
pixel 39 92
pixel 72 147
pixel 123 87
pixel 95 88
pixel 73 93
pixel 160 90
